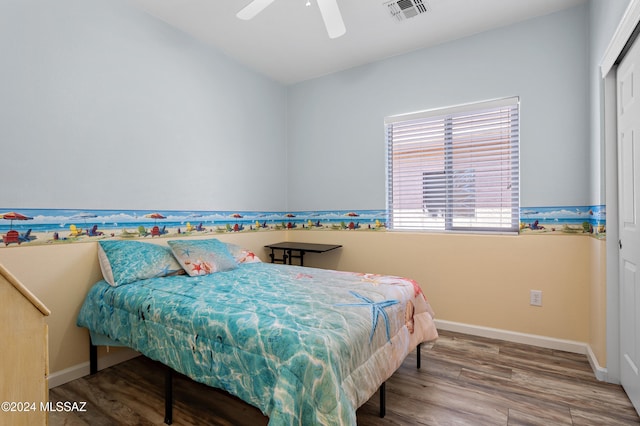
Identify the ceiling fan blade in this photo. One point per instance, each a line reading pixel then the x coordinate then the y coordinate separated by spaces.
pixel 253 8
pixel 332 18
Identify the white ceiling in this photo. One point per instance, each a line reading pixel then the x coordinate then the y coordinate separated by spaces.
pixel 288 41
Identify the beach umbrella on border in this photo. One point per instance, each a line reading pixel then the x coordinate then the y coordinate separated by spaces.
pixel 14 216
pixel 154 216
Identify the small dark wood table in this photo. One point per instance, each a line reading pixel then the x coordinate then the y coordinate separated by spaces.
pixel 288 249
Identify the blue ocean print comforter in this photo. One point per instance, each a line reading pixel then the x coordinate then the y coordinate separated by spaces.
pixel 306 346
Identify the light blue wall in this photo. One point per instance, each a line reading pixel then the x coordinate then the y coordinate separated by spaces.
pixel 336 135
pixel 103 106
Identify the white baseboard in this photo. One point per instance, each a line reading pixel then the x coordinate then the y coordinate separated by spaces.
pixel 600 372
pixel 61 377
pixel 528 339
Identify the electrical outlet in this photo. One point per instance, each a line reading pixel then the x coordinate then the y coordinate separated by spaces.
pixel 535 298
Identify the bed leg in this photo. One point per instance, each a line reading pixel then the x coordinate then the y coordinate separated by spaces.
pixel 383 398
pixel 418 355
pixel 168 396
pixel 93 358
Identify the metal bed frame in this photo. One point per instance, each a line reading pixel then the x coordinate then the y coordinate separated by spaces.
pixel 168 383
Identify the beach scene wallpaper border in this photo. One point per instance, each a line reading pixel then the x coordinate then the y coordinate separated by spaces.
pixel 27 227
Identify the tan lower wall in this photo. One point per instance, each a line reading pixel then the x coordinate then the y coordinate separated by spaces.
pixel 598 300
pixel 473 279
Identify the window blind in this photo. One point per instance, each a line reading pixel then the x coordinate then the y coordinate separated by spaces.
pixel 455 169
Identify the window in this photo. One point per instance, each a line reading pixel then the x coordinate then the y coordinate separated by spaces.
pixel 455 169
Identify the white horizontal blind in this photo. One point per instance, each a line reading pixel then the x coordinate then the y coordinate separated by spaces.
pixel 455 169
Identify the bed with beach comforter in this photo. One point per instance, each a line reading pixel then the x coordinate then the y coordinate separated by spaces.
pixel 304 345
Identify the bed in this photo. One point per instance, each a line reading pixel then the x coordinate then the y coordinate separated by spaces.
pixel 304 345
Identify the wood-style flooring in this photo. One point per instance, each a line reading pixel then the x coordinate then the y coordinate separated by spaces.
pixel 464 380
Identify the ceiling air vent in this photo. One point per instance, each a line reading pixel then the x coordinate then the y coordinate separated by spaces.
pixel 405 9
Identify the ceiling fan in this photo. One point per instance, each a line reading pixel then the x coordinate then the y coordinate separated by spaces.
pixel 328 9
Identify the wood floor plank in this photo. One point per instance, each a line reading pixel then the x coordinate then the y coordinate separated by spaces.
pixel 512 395
pixel 575 394
pixel 464 380
pixel 540 418
pixel 600 418
pixel 441 401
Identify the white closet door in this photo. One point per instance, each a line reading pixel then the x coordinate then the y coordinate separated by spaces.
pixel 628 81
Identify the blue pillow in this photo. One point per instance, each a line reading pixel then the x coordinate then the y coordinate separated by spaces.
pixel 123 262
pixel 202 257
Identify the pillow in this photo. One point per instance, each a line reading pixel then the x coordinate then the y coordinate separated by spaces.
pixel 242 255
pixel 123 262
pixel 202 257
